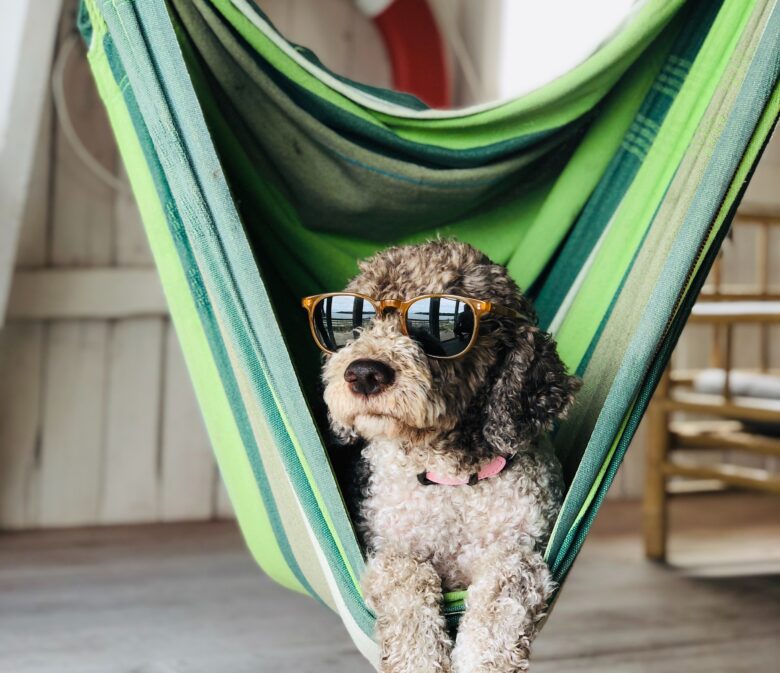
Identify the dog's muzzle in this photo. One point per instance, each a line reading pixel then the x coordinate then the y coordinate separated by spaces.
pixel 368 377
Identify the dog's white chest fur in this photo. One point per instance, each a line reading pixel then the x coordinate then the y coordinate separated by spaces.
pixel 455 526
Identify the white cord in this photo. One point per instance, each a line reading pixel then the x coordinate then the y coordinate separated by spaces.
pixel 66 124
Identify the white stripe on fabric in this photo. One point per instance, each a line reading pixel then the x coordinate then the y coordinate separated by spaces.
pixel 563 310
pixel 366 646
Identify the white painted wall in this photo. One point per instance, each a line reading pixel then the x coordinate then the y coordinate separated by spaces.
pixel 26 44
pixel 540 41
pixel 515 47
pixel 11 32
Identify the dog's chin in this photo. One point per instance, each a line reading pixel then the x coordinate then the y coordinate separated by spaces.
pixel 379 426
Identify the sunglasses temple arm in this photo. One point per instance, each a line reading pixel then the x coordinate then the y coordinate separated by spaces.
pixel 508 312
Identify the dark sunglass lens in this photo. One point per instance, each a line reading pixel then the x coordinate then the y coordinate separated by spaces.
pixel 442 326
pixel 338 319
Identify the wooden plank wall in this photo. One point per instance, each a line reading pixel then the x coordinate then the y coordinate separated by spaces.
pixel 82 424
pixel 98 423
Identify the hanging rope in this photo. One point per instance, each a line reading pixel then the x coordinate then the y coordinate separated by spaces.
pixel 66 124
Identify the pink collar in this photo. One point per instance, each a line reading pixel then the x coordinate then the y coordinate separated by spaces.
pixel 493 468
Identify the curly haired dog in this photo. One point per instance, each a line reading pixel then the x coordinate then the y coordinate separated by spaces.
pixel 455 418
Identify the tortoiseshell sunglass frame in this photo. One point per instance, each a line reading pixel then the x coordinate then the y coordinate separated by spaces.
pixel 480 308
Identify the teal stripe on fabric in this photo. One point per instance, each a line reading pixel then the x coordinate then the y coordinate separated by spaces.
pixel 648 387
pixel 203 198
pixel 206 314
pixel 623 168
pixel 583 366
pixel 561 449
pixel 83 24
pixel 587 357
pixel 756 90
pixel 246 302
pixel 455 186
pixel 576 538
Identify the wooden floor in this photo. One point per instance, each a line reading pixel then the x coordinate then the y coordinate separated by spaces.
pixel 188 599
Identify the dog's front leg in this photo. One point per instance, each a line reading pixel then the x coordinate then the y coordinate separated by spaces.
pixel 507 598
pixel 405 594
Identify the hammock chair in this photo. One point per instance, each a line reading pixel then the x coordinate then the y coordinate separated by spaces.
pixel 262 177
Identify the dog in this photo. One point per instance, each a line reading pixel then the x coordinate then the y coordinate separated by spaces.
pixel 458 485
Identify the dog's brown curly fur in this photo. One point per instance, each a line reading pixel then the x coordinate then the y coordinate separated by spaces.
pixel 453 417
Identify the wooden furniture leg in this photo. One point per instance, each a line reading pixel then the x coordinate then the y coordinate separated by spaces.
pixel 655 495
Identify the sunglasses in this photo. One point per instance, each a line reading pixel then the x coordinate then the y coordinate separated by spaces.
pixel 445 325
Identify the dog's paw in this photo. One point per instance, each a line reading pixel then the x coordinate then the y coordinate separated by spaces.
pixel 405 595
pixel 397 582
pixel 504 606
pixel 477 652
pixel 417 642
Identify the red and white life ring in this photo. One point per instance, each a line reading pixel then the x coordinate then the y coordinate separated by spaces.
pixel 416 48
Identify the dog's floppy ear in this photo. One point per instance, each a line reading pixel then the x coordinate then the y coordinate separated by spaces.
pixel 531 391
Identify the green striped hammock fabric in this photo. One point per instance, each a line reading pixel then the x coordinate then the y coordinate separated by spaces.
pixel 262 177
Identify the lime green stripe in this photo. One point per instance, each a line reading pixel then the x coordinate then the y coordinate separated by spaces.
pixel 730 122
pixel 593 490
pixel 313 483
pixel 231 456
pixel 582 173
pixel 640 203
pixel 648 264
pixel 283 492
pixel 321 503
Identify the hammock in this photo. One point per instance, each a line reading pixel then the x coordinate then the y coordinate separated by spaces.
pixel 262 177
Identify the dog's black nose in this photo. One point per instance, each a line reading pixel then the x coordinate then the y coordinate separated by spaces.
pixel 368 377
